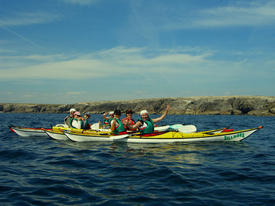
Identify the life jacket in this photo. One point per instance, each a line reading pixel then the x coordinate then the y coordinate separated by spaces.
pixel 132 122
pixel 68 121
pixel 108 121
pixel 120 128
pixel 147 126
pixel 85 124
pixel 78 124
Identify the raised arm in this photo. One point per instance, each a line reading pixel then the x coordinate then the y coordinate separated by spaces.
pixel 162 116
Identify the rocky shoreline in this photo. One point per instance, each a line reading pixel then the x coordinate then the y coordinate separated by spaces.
pixel 225 105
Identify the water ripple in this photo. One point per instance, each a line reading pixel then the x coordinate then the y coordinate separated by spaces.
pixel 41 171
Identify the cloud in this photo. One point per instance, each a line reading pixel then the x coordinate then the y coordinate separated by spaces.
pixel 6 51
pixel 250 15
pixel 139 71
pixel 179 16
pixel 107 63
pixel 81 2
pixel 28 18
pixel 132 62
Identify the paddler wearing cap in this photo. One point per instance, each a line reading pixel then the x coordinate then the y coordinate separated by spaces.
pixel 77 121
pixel 107 120
pixel 146 123
pixel 68 119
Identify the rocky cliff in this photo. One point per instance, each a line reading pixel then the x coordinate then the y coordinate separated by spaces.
pixel 231 105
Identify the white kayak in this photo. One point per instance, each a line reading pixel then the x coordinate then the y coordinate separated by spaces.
pixel 56 135
pixel 94 138
pixel 29 132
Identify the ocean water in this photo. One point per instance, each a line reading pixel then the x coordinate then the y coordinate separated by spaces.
pixel 42 171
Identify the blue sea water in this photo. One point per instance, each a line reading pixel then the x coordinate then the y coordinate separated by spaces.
pixel 42 171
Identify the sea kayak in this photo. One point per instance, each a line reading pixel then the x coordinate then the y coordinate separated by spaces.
pixel 57 135
pixel 29 132
pixel 57 132
pixel 96 137
pixel 166 137
pixel 173 137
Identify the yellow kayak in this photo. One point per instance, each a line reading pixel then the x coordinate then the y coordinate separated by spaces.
pixel 164 137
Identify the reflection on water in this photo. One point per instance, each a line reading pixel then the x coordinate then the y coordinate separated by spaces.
pixel 184 155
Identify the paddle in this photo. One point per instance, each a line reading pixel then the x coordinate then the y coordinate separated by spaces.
pixel 95 126
pixel 178 127
pixel 184 128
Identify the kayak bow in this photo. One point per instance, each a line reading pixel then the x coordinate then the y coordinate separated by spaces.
pixel 29 132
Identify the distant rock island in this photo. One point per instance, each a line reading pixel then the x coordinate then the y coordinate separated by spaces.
pixel 223 105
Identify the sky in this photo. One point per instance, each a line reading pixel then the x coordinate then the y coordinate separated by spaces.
pixel 69 51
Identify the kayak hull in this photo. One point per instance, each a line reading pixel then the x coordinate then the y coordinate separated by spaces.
pixel 29 132
pixel 177 138
pixel 94 137
pixel 56 135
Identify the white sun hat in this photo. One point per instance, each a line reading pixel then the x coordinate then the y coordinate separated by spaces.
pixel 72 110
pixel 143 112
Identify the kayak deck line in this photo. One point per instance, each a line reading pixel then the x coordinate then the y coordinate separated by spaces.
pixel 29 132
pixel 29 128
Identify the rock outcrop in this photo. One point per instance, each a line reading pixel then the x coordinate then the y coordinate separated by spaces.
pixel 231 105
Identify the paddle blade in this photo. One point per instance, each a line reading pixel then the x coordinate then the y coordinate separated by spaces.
pixel 95 126
pixel 184 128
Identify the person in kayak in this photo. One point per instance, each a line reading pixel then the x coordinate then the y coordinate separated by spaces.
pixel 68 119
pixel 146 123
pixel 107 120
pixel 86 124
pixel 117 126
pixel 77 122
pixel 129 119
